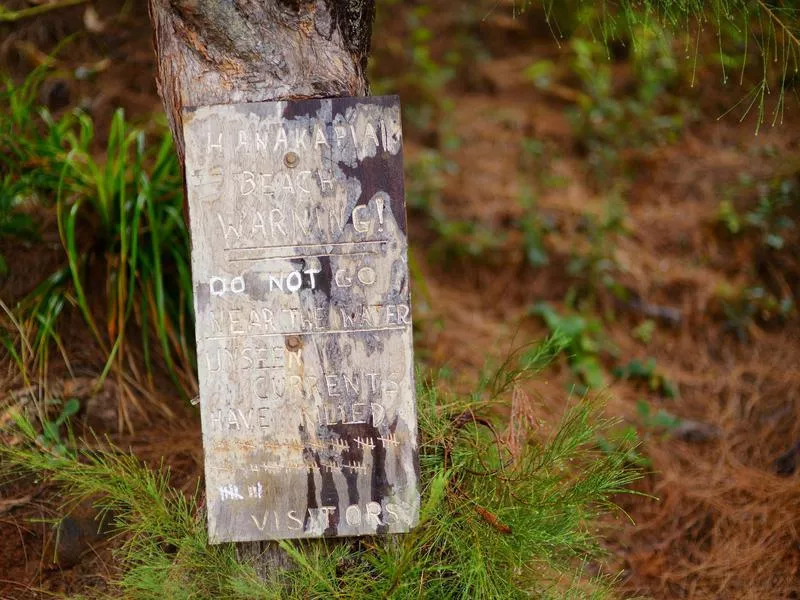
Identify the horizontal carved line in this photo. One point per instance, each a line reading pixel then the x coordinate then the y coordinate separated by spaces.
pixel 298 256
pixel 325 332
pixel 307 245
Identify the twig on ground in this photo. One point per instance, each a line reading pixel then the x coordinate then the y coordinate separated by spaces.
pixel 12 503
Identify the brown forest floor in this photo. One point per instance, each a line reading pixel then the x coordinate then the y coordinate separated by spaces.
pixel 724 522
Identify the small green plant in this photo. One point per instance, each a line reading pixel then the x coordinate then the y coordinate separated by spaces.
pixel 644 331
pixel 49 438
pixel 535 164
pixel 661 419
pixel 741 29
pixel 534 230
pixel 582 346
pixel 761 217
pixel 745 308
pixel 51 429
pixel 624 439
pixel 541 73
pixel 729 217
pixel 420 77
pixel 773 217
pixel 14 222
pixel 594 262
pixel 646 371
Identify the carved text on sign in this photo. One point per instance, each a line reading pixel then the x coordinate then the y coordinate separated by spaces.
pixel 303 318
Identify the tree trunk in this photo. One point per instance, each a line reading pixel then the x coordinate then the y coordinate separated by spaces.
pixel 230 51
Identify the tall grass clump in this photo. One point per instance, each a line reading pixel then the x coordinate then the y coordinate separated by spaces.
pixel 125 260
pixel 508 511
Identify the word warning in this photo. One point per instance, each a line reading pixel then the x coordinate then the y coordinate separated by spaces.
pixel 303 321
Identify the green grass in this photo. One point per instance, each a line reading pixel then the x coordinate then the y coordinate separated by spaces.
pixel 125 259
pixel 14 223
pixel 507 511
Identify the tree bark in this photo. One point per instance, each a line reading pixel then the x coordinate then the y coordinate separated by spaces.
pixel 231 51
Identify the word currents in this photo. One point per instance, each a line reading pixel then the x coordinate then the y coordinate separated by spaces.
pixel 303 320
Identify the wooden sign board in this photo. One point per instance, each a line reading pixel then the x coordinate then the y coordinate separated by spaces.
pixel 303 320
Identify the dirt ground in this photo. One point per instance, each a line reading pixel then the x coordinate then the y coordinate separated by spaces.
pixel 720 514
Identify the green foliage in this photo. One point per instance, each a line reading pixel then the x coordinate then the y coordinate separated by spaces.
pixel 609 121
pixel 644 331
pixel 661 419
pixel 582 343
pixel 620 106
pixel 18 181
pixel 746 307
pixel 422 78
pixel 10 16
pixel 535 173
pixel 594 264
pixel 647 371
pixel 762 216
pixel 454 238
pixel 534 230
pixel 624 440
pixel 35 143
pixel 541 73
pixel 51 429
pixel 14 222
pixel 122 216
pixel 765 29
pixel 773 216
pixel 159 526
pixel 50 437
pixel 504 515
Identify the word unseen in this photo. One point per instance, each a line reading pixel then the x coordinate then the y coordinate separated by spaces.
pixel 303 318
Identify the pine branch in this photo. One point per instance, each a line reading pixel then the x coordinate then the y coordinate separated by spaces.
pixel 11 16
pixel 783 26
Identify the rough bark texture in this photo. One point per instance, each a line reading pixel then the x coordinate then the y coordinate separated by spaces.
pixel 227 51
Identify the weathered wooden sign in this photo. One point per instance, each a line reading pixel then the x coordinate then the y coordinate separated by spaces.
pixel 303 321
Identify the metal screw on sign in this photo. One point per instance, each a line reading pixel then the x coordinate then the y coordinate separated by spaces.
pixel 290 159
pixel 293 343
